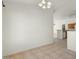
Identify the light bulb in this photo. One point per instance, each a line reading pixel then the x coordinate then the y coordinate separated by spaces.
pixel 40 4
pixel 43 1
pixel 44 7
pixel 49 3
pixel 48 6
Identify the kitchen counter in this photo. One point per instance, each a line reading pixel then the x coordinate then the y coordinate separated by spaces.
pixel 70 30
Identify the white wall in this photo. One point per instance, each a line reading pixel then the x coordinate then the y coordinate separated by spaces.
pixel 58 23
pixel 25 27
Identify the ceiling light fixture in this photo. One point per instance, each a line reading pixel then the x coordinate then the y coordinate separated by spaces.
pixel 45 4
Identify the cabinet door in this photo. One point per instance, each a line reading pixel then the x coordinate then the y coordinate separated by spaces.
pixel 71 40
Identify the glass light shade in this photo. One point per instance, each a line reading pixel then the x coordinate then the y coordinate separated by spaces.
pixel 48 6
pixel 40 4
pixel 43 1
pixel 49 3
pixel 44 7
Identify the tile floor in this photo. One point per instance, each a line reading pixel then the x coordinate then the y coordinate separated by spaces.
pixel 56 50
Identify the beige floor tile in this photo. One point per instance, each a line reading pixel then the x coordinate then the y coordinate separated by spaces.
pixel 56 50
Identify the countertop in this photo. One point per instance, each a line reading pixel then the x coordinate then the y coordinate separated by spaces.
pixel 71 30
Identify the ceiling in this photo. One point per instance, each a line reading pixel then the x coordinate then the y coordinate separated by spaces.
pixel 63 8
